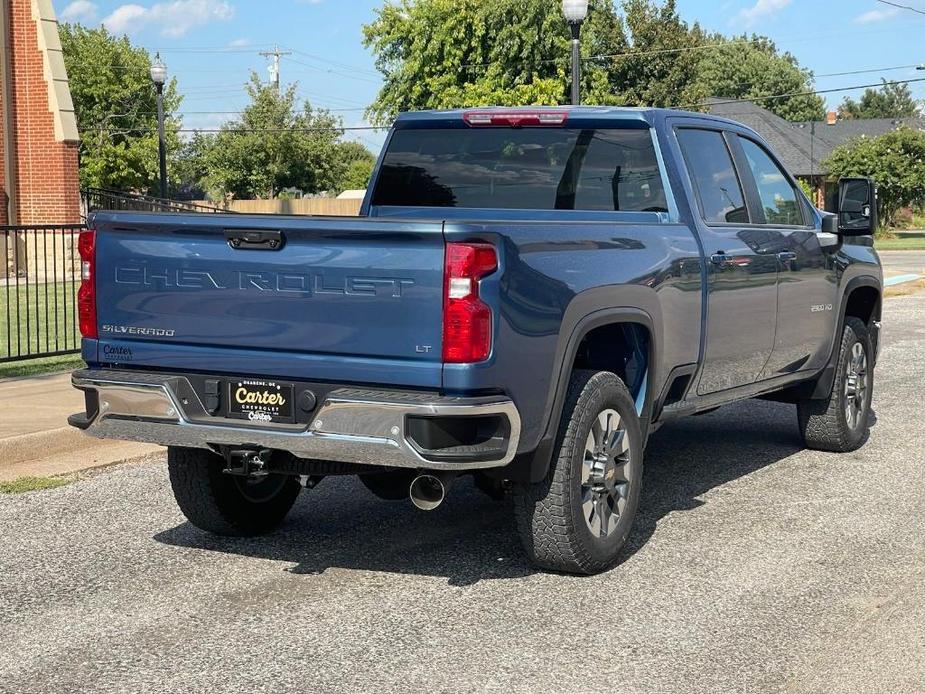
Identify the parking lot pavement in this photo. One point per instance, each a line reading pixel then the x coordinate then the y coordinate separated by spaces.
pixel 755 566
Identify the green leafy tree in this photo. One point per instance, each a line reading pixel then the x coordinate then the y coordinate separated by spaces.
pixel 456 53
pixel 895 160
pixel 274 144
pixel 659 68
pixel 464 53
pixel 356 166
pixel 890 101
pixel 751 68
pixel 116 107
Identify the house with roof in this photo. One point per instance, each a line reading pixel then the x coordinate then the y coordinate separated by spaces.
pixel 803 147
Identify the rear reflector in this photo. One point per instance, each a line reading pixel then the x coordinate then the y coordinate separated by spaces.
pixel 86 295
pixel 514 119
pixel 466 318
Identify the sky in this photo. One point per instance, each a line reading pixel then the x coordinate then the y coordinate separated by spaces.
pixel 211 46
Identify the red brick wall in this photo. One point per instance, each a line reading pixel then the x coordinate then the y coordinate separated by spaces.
pixel 48 187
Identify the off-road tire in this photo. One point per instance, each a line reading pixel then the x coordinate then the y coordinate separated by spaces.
pixel 824 423
pixel 549 516
pixel 215 502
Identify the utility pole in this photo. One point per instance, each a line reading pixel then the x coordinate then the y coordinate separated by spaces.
pixel 275 55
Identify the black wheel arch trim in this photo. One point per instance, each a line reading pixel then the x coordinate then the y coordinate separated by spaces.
pixel 586 312
pixel 826 379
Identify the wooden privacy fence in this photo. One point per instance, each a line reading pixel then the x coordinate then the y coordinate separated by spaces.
pixel 306 206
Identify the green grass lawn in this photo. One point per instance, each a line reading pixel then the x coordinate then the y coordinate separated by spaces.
pixel 37 367
pixel 38 318
pixel 33 484
pixel 903 241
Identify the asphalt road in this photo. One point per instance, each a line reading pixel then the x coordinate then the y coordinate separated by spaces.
pixel 755 567
pixel 903 262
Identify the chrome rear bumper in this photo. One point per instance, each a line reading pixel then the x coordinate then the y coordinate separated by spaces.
pixel 350 425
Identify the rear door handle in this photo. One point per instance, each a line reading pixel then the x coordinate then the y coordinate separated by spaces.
pixel 720 258
pixel 786 256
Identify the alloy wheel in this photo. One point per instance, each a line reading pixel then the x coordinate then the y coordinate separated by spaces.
pixel 605 474
pixel 856 386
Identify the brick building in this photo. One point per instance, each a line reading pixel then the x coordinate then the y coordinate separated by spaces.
pixel 38 130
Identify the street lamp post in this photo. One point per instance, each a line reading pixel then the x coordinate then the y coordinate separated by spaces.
pixel 159 77
pixel 575 11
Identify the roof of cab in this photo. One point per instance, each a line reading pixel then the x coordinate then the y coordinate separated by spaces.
pixel 575 113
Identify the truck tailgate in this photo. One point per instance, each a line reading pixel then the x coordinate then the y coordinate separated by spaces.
pixel 344 288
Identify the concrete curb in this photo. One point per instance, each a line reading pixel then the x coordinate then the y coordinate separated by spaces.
pixel 42 444
pixel 62 451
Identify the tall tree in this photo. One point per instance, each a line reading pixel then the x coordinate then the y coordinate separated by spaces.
pixel 890 101
pixel 752 68
pixel 274 144
pixel 659 67
pixel 116 107
pixel 454 53
pixel 459 53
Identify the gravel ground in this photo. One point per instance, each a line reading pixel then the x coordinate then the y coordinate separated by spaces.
pixel 755 566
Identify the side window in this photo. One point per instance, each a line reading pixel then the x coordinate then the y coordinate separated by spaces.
pixel 778 198
pixel 714 175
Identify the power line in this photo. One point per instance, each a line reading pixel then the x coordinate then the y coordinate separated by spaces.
pixel 626 54
pixel 361 128
pixel 335 63
pixel 332 71
pixel 232 129
pixel 815 92
pixel 867 72
pixel 902 7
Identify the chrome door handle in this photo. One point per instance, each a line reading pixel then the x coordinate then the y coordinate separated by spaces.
pixel 786 256
pixel 720 258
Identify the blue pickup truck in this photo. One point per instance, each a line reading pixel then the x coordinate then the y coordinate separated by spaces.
pixel 526 296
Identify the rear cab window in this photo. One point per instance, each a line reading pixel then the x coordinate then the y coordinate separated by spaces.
pixel 535 168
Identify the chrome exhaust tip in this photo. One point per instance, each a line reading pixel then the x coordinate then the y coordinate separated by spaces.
pixel 429 489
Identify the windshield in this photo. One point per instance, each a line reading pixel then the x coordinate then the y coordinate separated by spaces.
pixel 522 168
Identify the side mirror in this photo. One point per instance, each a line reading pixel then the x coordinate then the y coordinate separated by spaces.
pixel 857 207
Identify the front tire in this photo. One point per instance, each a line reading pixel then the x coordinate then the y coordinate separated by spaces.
pixel 578 518
pixel 225 504
pixel 840 422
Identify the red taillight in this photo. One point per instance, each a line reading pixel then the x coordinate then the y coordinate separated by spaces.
pixel 515 119
pixel 466 318
pixel 86 295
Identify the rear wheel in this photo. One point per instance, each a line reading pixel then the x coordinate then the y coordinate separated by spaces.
pixel 227 504
pixel 579 517
pixel 840 423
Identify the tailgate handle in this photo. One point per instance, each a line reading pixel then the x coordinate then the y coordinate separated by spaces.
pixel 254 239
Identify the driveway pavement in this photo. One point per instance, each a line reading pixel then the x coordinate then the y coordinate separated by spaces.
pixel 755 566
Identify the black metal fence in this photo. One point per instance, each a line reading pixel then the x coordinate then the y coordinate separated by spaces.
pixel 104 199
pixel 40 275
pixel 39 278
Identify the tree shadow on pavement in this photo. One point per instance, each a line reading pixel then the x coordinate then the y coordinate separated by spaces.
pixel 471 538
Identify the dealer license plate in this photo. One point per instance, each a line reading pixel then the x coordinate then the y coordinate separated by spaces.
pixel 260 401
